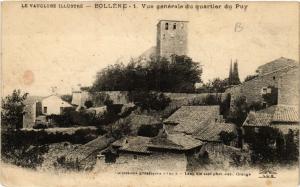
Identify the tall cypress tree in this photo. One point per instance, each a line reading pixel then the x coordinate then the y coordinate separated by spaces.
pixel 235 74
pixel 230 74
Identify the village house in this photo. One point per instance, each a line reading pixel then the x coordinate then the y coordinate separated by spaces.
pixel 281 74
pixel 201 122
pixel 138 153
pixel 36 108
pixel 181 138
pixel 282 117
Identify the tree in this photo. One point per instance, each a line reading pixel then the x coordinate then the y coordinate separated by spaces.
pixel 240 111
pixel 12 109
pixel 67 98
pixel 250 77
pixel 88 104
pixel 234 74
pixel 157 74
pixel 149 100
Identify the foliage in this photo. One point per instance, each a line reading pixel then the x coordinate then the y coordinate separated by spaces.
pixel 12 109
pixel 234 75
pixel 270 145
pixel 120 128
pixel 250 77
pixel 240 111
pixel 271 98
pixel 100 99
pixel 88 104
pixel 215 85
pixel 225 106
pixel 67 98
pixel 148 130
pixel 158 74
pixel 227 137
pixel 149 100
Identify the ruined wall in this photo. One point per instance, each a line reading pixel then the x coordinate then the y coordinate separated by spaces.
pixel 288 88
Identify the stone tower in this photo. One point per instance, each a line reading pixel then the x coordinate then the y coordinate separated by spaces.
pixel 171 38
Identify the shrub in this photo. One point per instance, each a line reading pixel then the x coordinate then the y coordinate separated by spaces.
pixel 149 100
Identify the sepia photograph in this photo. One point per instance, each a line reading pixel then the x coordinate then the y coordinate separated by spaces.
pixel 149 93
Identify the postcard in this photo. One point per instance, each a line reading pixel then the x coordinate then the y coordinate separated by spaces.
pixel 149 93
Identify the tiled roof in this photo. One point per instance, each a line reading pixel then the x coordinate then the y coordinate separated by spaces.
pixel 273 115
pixel 258 119
pixel 276 65
pixel 143 120
pixel 178 141
pixel 282 113
pixel 213 130
pixel 136 144
pixel 190 119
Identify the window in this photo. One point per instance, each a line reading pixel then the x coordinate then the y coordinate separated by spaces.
pixel 182 25
pixel 174 26
pixel 274 78
pixel 164 36
pixel 264 105
pixel 264 90
pixel 134 157
pixel 167 26
pixel 61 109
pixel 45 109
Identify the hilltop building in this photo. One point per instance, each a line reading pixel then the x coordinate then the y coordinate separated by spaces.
pixel 281 74
pixel 35 107
pixel 171 38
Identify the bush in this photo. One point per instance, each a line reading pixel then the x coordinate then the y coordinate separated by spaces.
pixel 149 100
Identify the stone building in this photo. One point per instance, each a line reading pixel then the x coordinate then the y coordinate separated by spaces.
pixel 171 38
pixel 282 117
pixel 35 107
pixel 281 73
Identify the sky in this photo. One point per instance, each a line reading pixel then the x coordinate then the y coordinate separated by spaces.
pixel 45 48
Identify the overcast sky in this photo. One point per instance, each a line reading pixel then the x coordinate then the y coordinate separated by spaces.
pixel 64 47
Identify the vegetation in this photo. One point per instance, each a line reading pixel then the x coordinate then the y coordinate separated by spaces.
pixel 158 74
pixel 233 78
pixel 67 98
pixel 270 145
pixel 216 85
pixel 149 100
pixel 250 77
pixel 12 110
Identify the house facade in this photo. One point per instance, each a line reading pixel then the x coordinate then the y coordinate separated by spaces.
pixel 42 106
pixel 53 104
pixel 281 74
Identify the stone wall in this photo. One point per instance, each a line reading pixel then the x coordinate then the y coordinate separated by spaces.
pixel 171 40
pixel 154 162
pixel 118 97
pixel 288 92
pixel 252 89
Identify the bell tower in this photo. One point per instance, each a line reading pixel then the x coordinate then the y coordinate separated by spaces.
pixel 171 38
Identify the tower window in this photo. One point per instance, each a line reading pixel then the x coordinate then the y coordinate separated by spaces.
pixel 167 26
pixel 174 26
